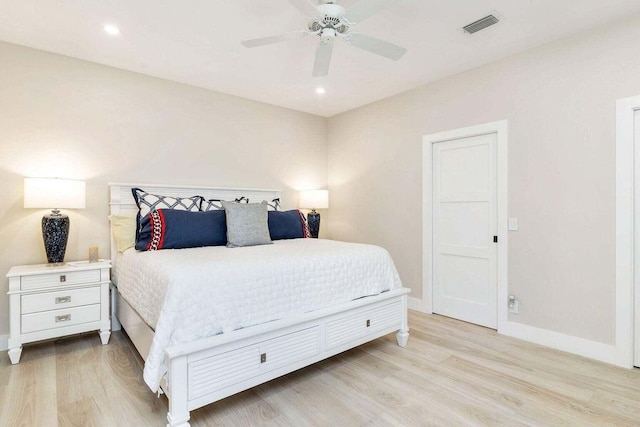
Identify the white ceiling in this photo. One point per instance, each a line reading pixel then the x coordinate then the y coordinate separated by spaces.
pixel 198 42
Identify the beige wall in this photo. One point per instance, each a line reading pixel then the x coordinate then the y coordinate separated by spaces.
pixel 560 103
pixel 69 118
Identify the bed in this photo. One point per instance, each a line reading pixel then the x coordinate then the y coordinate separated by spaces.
pixel 198 357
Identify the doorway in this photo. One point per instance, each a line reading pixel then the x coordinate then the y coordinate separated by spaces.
pixel 464 222
pixel 627 315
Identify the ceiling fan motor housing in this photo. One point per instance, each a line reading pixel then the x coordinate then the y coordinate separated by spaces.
pixel 330 17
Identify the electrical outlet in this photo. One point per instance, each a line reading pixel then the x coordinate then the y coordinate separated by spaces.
pixel 513 304
pixel 513 308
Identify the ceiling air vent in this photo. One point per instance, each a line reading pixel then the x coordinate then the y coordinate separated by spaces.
pixel 481 24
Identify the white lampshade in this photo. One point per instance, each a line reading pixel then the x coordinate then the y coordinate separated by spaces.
pixel 54 193
pixel 314 199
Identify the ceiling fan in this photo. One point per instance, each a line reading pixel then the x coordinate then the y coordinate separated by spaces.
pixel 330 21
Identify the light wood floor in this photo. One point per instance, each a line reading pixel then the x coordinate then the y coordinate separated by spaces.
pixel 451 373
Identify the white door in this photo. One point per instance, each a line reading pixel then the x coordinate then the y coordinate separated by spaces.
pixel 464 225
pixel 636 144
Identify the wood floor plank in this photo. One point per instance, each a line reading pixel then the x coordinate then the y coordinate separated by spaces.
pixel 125 388
pixel 450 374
pixel 242 409
pixel 29 396
pixel 84 412
pixel 452 383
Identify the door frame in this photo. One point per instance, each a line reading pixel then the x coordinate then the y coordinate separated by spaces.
pixel 627 240
pixel 500 128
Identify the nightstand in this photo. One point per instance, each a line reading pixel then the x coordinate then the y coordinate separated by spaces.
pixel 54 301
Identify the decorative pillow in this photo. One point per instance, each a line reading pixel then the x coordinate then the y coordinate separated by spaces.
pixel 124 231
pixel 273 205
pixel 216 204
pixel 177 229
pixel 247 224
pixel 288 225
pixel 212 205
pixel 148 202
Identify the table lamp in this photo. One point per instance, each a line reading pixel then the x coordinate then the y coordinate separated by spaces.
pixel 314 199
pixel 54 194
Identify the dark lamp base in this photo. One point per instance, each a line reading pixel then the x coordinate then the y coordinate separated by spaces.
pixel 55 233
pixel 313 219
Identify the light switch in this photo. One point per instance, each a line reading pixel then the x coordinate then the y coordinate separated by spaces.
pixel 513 224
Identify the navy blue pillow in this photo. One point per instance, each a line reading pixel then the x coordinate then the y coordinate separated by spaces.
pixel 177 229
pixel 147 202
pixel 287 225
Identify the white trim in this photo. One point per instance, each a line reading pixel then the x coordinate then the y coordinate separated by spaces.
pixel 580 346
pixel 626 260
pixel 4 342
pixel 501 129
pixel 154 187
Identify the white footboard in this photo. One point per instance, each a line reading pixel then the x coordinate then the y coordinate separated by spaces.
pixel 211 369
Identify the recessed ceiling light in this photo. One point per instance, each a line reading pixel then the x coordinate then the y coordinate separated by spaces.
pixel 111 29
pixel 320 91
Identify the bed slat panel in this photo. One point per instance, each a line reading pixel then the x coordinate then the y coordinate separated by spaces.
pixel 350 328
pixel 231 367
pixel 222 370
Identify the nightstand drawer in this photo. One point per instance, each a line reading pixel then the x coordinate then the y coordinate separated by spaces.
pixel 60 299
pixel 39 281
pixel 60 318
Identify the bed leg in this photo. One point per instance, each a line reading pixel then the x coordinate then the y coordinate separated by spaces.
pixel 402 337
pixel 403 334
pixel 178 415
pixel 181 422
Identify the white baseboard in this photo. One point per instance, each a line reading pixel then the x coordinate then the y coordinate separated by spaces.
pixel 595 350
pixel 417 305
pixel 4 342
pixel 582 347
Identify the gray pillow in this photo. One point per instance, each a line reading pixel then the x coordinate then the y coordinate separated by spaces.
pixel 247 224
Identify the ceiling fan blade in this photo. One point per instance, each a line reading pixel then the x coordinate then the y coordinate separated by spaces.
pixel 323 58
pixel 306 7
pixel 377 46
pixel 273 39
pixel 366 8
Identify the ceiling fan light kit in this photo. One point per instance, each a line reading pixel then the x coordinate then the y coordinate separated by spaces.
pixel 330 21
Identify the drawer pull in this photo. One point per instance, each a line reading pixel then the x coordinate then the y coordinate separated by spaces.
pixel 63 278
pixel 368 323
pixel 63 300
pixel 64 318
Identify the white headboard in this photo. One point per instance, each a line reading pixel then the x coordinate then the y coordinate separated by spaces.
pixel 121 201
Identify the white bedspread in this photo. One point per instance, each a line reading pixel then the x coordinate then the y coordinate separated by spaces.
pixel 187 294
